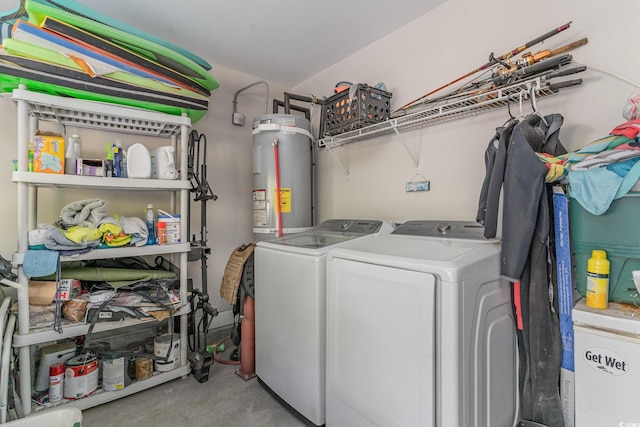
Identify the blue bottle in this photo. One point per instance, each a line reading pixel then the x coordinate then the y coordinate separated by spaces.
pixel 151 225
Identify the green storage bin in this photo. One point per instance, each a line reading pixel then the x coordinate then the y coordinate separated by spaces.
pixel 617 232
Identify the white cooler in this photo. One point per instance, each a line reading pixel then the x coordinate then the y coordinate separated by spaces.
pixel 607 365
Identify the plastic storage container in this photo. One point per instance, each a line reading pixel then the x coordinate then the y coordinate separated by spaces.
pixel 617 233
pixel 341 113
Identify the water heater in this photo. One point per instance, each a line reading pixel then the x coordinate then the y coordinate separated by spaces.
pixel 282 175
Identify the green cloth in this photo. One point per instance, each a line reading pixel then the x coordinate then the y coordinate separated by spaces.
pixel 116 277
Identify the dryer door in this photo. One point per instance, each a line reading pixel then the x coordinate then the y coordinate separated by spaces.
pixel 372 311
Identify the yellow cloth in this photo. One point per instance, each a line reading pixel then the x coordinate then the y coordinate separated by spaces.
pixel 80 234
pixel 112 234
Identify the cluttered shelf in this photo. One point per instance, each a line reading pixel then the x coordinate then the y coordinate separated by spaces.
pixel 447 110
pixel 100 396
pixel 69 330
pixel 53 324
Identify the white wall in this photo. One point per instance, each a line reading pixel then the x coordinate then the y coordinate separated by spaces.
pixel 442 45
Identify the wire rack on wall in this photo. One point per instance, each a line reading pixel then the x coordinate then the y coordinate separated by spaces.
pixel 470 105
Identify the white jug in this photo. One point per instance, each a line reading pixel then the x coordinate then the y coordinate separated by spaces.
pixel 163 164
pixel 138 161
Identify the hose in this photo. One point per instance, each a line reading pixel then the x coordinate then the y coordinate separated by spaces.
pixel 218 358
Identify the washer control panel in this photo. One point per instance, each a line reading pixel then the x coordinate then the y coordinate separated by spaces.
pixel 448 229
pixel 355 226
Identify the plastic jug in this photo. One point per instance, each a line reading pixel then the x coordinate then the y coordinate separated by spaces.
pixel 74 151
pixel 138 161
pixel 163 164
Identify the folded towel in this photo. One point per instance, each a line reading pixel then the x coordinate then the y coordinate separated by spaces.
pixel 55 239
pixel 84 212
pixel 40 263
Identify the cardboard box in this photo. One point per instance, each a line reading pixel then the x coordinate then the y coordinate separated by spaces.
pixel 44 292
pixel 89 167
pixel 48 152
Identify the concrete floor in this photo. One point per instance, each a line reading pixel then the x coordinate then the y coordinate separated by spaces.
pixel 224 400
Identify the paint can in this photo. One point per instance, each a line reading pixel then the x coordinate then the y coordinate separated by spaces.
pixel 143 368
pixel 163 345
pixel 116 372
pixel 80 376
pixel 56 380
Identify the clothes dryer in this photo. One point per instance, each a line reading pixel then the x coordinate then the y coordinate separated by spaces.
pixel 290 283
pixel 420 330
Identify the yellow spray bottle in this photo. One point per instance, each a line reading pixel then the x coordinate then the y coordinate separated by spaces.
pixel 598 279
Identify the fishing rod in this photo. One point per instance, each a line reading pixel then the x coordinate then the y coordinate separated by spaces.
pixel 487 86
pixel 503 76
pixel 528 60
pixel 492 61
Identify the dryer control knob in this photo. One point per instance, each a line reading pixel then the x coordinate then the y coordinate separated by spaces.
pixel 443 228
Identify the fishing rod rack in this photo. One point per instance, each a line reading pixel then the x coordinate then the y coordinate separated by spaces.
pixel 447 110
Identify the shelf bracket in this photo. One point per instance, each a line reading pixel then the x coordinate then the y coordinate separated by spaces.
pixel 415 161
pixel 345 170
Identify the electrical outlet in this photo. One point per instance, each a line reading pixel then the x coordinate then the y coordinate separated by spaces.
pixel 414 186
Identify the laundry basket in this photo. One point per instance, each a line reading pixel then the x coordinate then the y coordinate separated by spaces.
pixel 61 417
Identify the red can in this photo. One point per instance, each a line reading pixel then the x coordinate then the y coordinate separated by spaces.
pixel 56 378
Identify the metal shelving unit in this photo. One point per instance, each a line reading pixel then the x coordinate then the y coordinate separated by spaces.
pixel 34 107
pixel 446 110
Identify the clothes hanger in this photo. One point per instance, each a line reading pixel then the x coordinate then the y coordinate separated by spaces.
pixel 511 116
pixel 520 95
pixel 534 107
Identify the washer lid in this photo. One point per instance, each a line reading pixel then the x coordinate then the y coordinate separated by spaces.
pixel 452 259
pixel 332 232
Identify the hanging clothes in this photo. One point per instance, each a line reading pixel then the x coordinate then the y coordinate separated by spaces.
pixel 526 256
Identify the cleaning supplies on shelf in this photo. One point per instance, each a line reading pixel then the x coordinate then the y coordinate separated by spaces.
pixel 171 224
pixel 138 161
pixel 123 158
pixel 117 161
pixel 163 163
pixel 74 151
pixel 108 164
pixel 151 225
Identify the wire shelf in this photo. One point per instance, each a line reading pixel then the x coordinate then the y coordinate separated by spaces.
pixel 470 105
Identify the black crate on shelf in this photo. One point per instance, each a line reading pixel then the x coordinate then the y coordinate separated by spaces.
pixel 368 106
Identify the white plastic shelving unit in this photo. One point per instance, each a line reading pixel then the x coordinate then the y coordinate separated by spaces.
pixel 34 107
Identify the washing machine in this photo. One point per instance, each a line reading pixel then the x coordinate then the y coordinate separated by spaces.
pixel 290 284
pixel 420 330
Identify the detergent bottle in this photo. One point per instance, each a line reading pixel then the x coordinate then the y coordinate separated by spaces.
pixel 138 161
pixel 163 164
pixel 151 225
pixel 598 279
pixel 74 151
